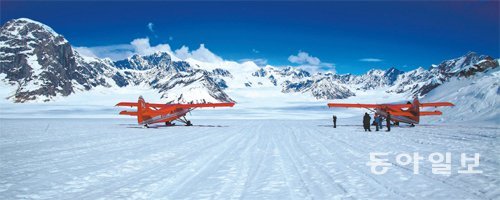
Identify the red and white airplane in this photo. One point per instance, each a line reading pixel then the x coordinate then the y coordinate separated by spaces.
pixel 151 113
pixel 408 113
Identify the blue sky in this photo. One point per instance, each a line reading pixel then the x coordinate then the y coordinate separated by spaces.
pixel 350 36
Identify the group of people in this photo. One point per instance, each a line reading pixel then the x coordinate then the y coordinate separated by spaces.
pixel 378 121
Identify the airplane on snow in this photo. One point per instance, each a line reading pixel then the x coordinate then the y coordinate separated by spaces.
pixel 151 113
pixel 407 113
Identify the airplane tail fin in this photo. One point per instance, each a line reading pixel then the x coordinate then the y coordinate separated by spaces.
pixel 415 110
pixel 141 108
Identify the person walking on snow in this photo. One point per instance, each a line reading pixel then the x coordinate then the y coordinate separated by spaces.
pixel 388 120
pixel 376 118
pixel 334 121
pixel 381 124
pixel 366 122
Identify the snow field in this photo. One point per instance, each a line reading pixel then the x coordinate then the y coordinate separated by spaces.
pixel 235 159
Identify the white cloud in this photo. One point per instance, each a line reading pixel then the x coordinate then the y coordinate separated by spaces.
pixel 328 65
pixel 139 46
pixel 258 61
pixel 371 60
pixel 85 51
pixel 150 27
pixel 183 52
pixel 143 47
pixel 312 63
pixel 114 52
pixel 255 51
pixel 322 67
pixel 201 54
pixel 304 58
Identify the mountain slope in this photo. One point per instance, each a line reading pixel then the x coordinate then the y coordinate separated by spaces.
pixel 420 82
pixel 476 98
pixel 42 65
pixel 38 65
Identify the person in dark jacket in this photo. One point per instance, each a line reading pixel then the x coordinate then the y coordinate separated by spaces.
pixel 366 122
pixel 334 121
pixel 388 120
pixel 381 120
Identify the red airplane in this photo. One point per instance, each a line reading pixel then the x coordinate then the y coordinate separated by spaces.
pixel 408 113
pixel 151 113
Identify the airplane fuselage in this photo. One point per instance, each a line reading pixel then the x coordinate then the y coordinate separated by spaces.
pixel 165 115
pixel 397 118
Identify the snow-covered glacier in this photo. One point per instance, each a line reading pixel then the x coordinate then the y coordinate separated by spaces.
pixel 238 159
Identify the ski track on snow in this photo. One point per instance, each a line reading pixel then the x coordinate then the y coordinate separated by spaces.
pixel 235 159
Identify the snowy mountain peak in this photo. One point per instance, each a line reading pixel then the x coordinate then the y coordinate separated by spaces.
pixel 421 81
pixel 24 21
pixel 420 69
pixel 376 72
pixel 285 72
pixel 138 62
pixel 27 29
pixel 454 66
pixel 40 65
pixel 392 74
pixel 296 72
pixel 393 70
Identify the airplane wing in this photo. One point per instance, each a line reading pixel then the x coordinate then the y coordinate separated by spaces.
pixel 202 105
pixel 436 104
pixel 134 104
pixel 394 106
pixel 360 105
pixel 128 113
pixel 353 105
pixel 159 105
pixel 427 113
pixel 131 104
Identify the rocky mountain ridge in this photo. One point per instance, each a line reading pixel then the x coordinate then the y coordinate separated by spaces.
pixel 41 64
